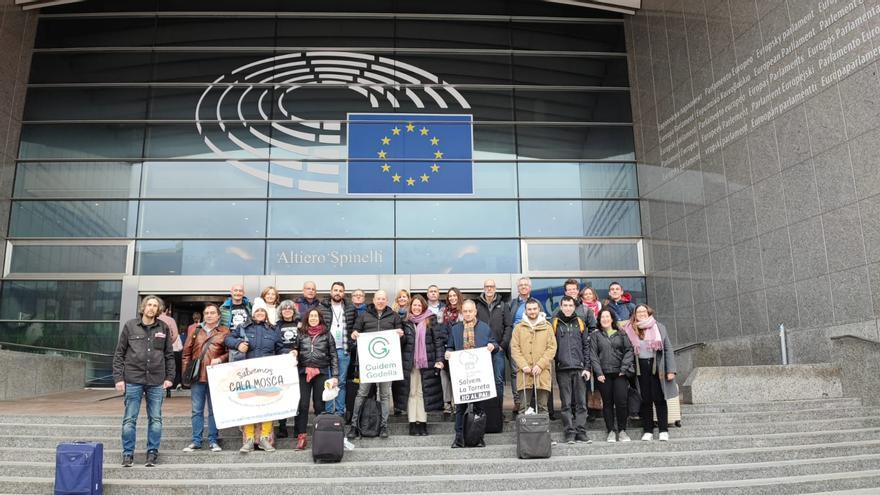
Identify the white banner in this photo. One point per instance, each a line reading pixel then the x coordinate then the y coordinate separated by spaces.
pixel 254 390
pixel 472 375
pixel 379 357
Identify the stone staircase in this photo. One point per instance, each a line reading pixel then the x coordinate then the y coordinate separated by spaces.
pixel 785 447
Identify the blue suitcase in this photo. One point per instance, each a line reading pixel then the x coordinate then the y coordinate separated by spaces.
pixel 79 468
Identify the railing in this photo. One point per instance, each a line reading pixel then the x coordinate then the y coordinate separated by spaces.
pixel 99 367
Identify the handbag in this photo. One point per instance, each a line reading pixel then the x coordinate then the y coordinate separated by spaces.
pixel 234 353
pixel 194 368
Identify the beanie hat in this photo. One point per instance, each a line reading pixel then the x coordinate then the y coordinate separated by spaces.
pixel 259 305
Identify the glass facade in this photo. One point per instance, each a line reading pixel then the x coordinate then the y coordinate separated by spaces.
pixel 216 145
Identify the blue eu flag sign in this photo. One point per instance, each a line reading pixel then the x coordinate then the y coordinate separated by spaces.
pixel 396 153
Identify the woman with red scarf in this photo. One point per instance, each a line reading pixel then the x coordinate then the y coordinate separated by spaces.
pixel 318 363
pixel 655 369
pixel 422 363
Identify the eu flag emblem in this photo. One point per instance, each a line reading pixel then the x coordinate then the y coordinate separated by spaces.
pixel 392 153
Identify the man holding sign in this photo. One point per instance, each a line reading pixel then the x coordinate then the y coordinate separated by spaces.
pixel 470 334
pixel 378 357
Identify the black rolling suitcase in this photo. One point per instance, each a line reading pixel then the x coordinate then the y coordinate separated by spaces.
pixel 533 434
pixel 494 417
pixel 329 438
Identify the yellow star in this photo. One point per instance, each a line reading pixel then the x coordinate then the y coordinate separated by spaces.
pixel 410 127
pixel 424 131
pixel 437 154
pixel 386 167
pixel 381 153
pixel 435 168
pixel 395 178
pixel 386 140
pixel 410 182
pixel 435 141
pixel 424 177
pixel 396 131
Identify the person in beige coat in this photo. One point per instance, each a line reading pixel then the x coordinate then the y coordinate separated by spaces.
pixel 532 348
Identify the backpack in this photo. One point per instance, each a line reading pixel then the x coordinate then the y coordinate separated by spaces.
pixel 370 418
pixel 556 323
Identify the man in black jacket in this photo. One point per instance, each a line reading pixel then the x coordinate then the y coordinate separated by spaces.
pixel 492 311
pixel 376 318
pixel 143 366
pixel 572 369
pixel 340 316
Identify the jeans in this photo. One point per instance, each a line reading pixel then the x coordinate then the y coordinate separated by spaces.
pixel 572 385
pixel 344 360
pixel 460 410
pixel 384 401
pixel 134 392
pixel 498 368
pixel 528 397
pixel 201 395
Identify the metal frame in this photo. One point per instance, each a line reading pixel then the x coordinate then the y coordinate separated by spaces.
pixel 524 252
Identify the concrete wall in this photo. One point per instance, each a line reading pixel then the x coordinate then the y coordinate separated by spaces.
pixel 757 127
pixel 858 359
pixel 17 30
pixel 24 374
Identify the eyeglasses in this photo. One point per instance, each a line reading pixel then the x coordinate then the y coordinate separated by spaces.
pixel 489 286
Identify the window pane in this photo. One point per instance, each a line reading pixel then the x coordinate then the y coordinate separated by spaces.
pixel 205 180
pixel 70 33
pixel 28 258
pixel 330 257
pixel 183 141
pixel 460 256
pixel 583 256
pixel 463 68
pixel 90 67
pixel 570 71
pixel 215 31
pixel 233 257
pixel 573 106
pixel 60 300
pixel 202 219
pixel 445 34
pixel 77 180
pixel 89 337
pixel 73 219
pixel 86 104
pixel 580 218
pixel 335 32
pixel 568 36
pixel 575 142
pixel 578 180
pixel 456 219
pixel 81 141
pixel 200 66
pixel 321 219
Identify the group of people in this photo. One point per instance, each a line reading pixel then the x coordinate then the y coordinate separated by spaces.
pixel 612 345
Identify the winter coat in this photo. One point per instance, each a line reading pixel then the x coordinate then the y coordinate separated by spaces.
pixel 586 314
pixel 482 337
pixel 195 345
pixel 317 352
pixel 530 346
pixel 611 355
pixel 262 340
pixel 498 317
pixel 349 314
pixel 303 305
pixel 572 343
pixel 226 312
pixel 432 390
pixel 622 309
pixel 144 354
pixel 664 362
pixel 371 321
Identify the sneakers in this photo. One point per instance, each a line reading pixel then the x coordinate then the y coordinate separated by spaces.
pixel 383 432
pixel 152 458
pixel 648 437
pixel 266 445
pixel 353 433
pixel 458 443
pixel 569 438
pixel 192 447
pixel 127 460
pixel 215 447
pixel 664 436
pixel 582 438
pixel 612 437
pixel 248 447
pixel 623 437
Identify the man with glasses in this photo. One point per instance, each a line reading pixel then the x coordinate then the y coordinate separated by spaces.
pixel 492 311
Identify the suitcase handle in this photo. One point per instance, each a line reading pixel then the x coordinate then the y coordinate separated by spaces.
pixel 534 388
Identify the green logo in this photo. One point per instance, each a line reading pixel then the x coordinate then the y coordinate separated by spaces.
pixel 378 348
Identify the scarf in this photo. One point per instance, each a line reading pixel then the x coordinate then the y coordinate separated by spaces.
pixel 313 333
pixel 594 306
pixel 450 315
pixel 420 355
pixel 652 334
pixel 470 338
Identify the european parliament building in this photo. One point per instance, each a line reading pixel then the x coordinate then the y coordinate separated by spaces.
pixel 717 157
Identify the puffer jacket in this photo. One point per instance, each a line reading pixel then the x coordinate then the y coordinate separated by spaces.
pixel 349 314
pixel 572 343
pixel 435 347
pixel 262 340
pixel 611 354
pixel 498 317
pixel 317 352
pixel 371 321
pixel 195 345
pixel 622 309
